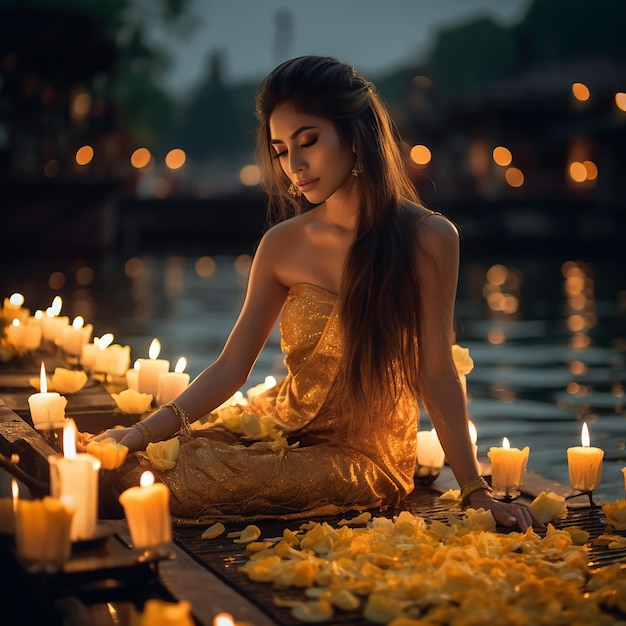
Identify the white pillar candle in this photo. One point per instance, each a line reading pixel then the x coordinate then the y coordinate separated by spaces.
pixel 172 383
pixel 12 308
pixel 585 464
pixel 132 378
pixel 507 467
pixel 429 450
pixel 150 369
pixel 74 336
pixel 147 513
pixel 74 481
pixel 88 354
pixel 47 408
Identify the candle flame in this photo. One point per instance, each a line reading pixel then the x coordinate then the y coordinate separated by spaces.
pixel 181 364
pixel 505 444
pixel 104 341
pixel 78 322
pixel 584 436
pixel 43 381
pixel 147 479
pixel 155 348
pixel 223 619
pixel 473 432
pixel 38 314
pixel 69 439
pixel 15 493
pixel 270 382
pixel 136 365
pixel 15 322
pixel 55 308
pixel 17 299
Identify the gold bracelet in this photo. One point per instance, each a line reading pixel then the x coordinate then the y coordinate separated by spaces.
pixel 474 484
pixel 145 431
pixel 183 416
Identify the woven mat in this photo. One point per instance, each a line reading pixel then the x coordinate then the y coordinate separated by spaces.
pixel 223 557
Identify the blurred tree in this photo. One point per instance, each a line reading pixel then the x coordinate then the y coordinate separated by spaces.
pixel 216 121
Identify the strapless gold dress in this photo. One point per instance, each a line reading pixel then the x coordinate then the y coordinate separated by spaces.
pixel 334 468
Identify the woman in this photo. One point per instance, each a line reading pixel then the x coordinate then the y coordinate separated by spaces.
pixel 366 278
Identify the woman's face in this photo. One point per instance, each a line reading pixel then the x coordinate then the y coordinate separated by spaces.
pixel 311 153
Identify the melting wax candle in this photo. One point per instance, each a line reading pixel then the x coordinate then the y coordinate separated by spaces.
pixel 73 337
pixel 47 408
pixel 584 464
pixel 132 377
pixel 74 480
pixel 507 468
pixel 150 369
pixel 146 508
pixel 430 454
pixel 172 383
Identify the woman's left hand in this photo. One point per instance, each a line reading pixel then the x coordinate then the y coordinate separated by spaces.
pixel 507 514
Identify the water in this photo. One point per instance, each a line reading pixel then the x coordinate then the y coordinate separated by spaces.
pixel 548 340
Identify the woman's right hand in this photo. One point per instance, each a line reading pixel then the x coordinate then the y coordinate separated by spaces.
pixel 130 437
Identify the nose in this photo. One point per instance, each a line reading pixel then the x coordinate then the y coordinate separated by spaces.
pixel 296 162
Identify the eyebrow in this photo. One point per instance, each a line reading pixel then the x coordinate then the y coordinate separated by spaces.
pixel 294 134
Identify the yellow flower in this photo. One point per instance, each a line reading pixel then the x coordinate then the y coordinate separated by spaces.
pixel 462 359
pixel 163 454
pixel 132 402
pixel 615 514
pixel 111 454
pixel 68 381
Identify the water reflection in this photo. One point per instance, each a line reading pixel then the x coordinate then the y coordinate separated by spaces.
pixel 548 341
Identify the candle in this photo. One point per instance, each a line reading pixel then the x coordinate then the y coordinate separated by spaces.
pixel 73 337
pixel 47 408
pixel 12 308
pixel 429 451
pixel 172 383
pixel 132 377
pixel 146 508
pixel 74 480
pixel 89 352
pixel 584 464
pixel 473 437
pixel 52 322
pixel 42 532
pixel 111 359
pixel 8 510
pixel 223 619
pixel 158 612
pixel 507 467
pixel 150 369
pixel 624 472
pixel 268 383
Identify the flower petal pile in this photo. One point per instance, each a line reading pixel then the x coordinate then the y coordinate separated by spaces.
pixel 406 571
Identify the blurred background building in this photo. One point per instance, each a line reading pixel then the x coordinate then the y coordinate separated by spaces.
pixel 516 130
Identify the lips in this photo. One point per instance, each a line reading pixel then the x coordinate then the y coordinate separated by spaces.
pixel 306 185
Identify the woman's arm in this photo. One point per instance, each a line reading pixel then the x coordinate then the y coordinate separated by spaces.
pixel 265 296
pixel 437 257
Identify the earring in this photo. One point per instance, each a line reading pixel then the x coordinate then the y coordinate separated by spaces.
pixel 294 190
pixel 357 168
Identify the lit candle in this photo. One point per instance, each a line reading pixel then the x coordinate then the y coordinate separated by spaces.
pixel 52 322
pixel 74 480
pixel 111 359
pixel 268 383
pixel 624 472
pixel 12 308
pixel 47 408
pixel 132 377
pixel 150 369
pixel 473 437
pixel 429 451
pixel 172 383
pixel 584 464
pixel 507 467
pixel 146 508
pixel 223 619
pixel 89 352
pixel 73 337
pixel 8 509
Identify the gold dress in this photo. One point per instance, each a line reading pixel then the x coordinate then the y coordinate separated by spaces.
pixel 333 468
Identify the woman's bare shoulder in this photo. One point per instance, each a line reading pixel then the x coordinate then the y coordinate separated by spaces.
pixel 432 225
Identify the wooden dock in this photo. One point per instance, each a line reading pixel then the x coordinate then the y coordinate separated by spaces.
pixel 105 582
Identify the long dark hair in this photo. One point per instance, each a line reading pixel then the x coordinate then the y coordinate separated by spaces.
pixel 379 296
